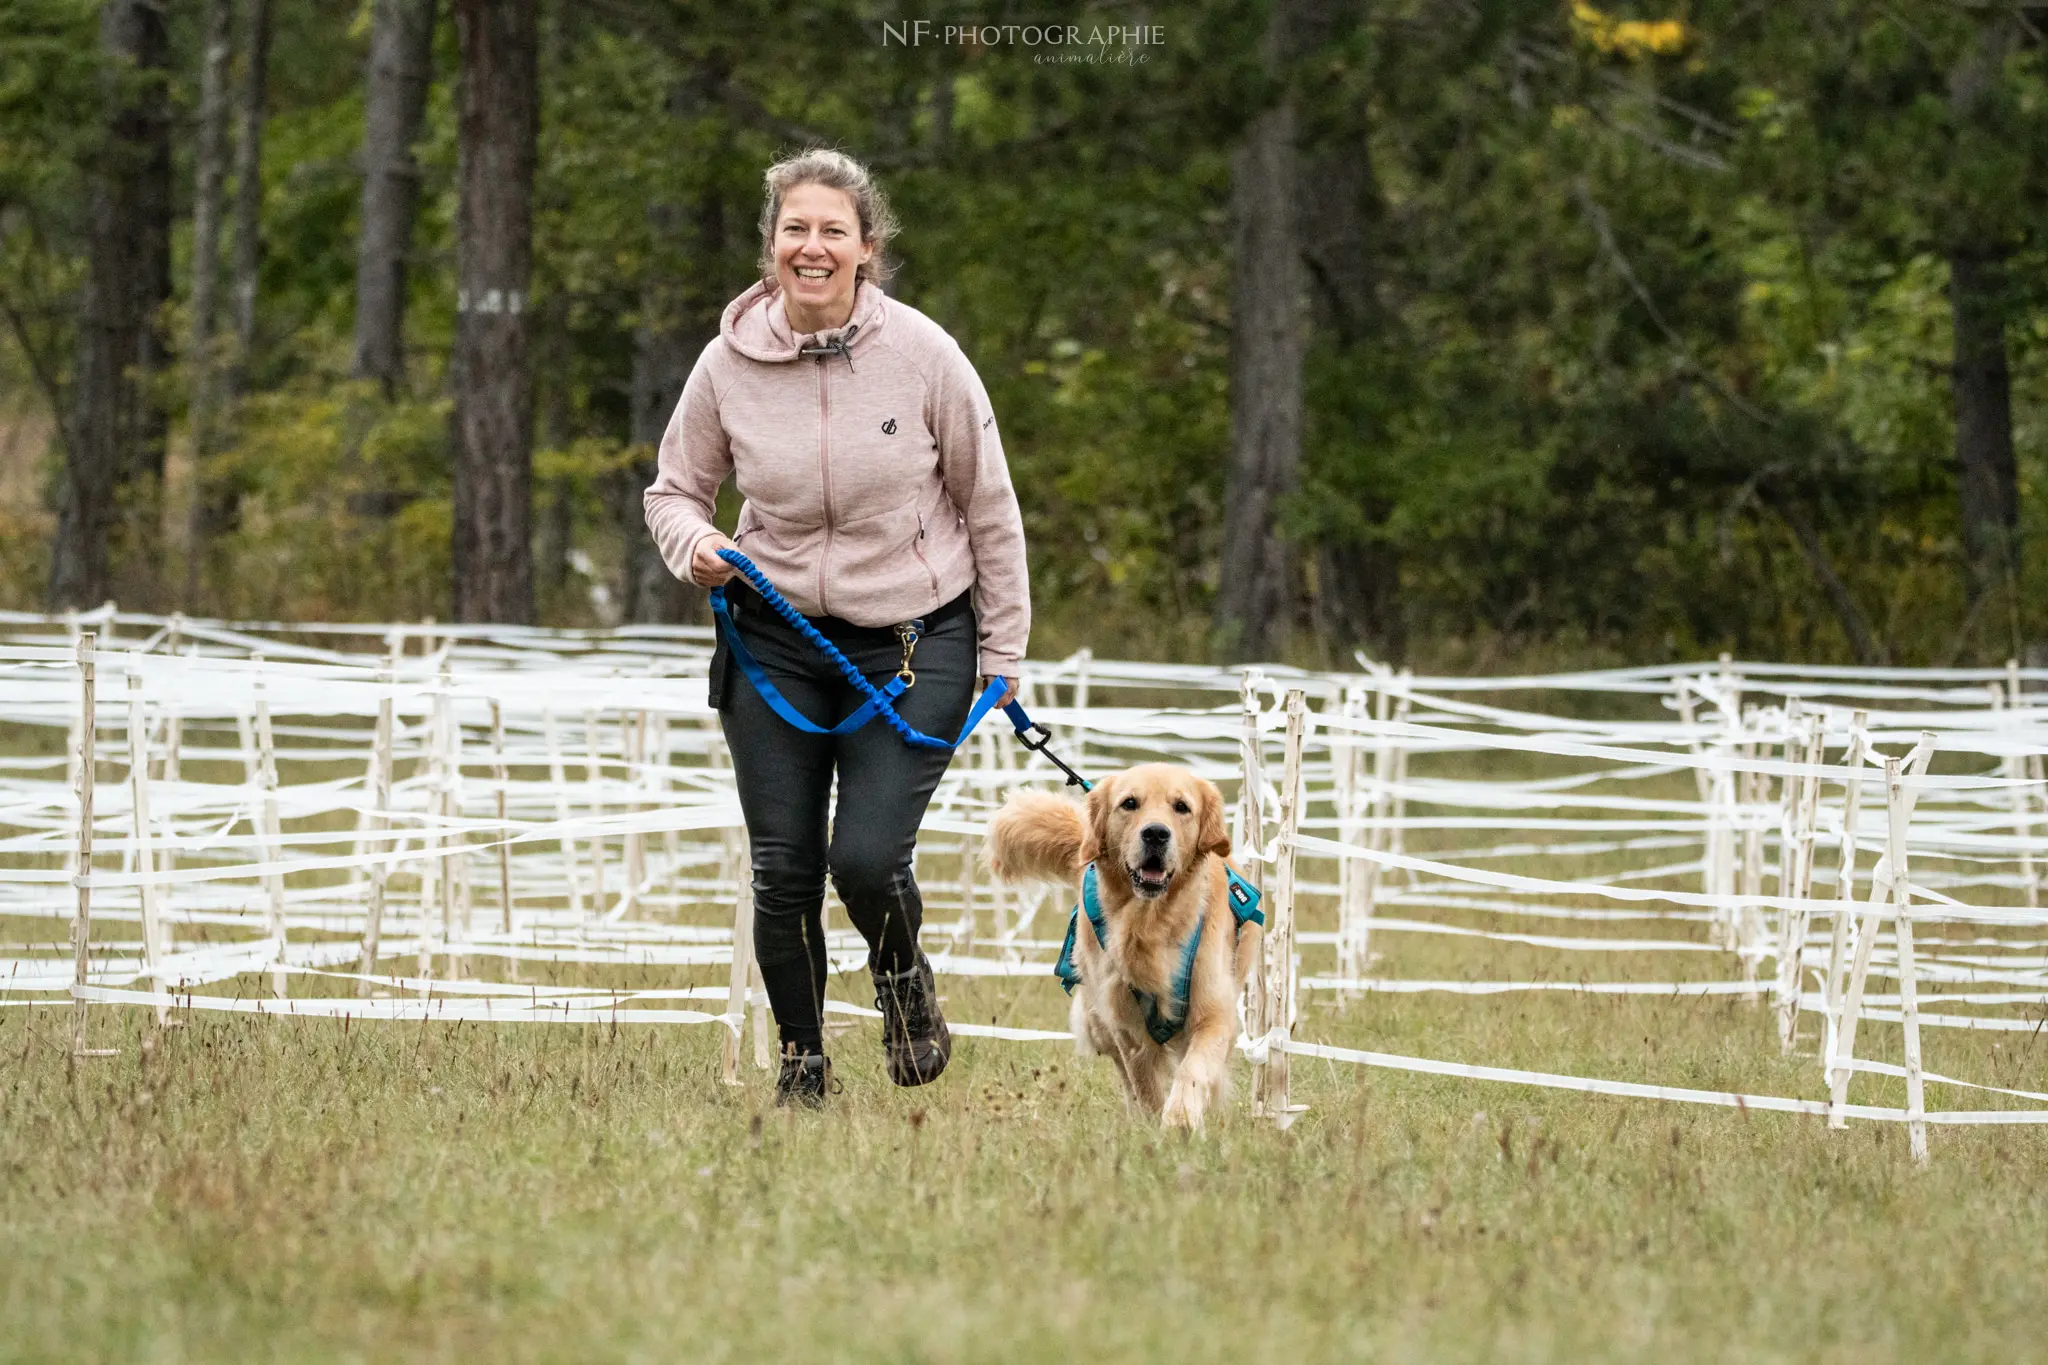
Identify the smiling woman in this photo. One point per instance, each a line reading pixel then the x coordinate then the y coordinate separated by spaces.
pixel 819 241
pixel 879 502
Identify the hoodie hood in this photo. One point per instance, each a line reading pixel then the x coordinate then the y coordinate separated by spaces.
pixel 756 324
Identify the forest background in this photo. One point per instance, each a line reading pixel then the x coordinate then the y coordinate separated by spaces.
pixel 1475 333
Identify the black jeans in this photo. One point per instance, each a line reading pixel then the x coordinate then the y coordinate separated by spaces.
pixel 785 781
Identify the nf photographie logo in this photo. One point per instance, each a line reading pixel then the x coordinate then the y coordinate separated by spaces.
pixel 1120 44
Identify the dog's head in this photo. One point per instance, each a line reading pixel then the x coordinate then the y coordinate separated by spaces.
pixel 1152 823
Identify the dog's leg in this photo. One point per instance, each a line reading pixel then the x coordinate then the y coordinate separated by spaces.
pixel 1141 1075
pixel 1080 1023
pixel 1204 1071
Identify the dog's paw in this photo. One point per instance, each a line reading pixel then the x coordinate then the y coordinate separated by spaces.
pixel 1185 1105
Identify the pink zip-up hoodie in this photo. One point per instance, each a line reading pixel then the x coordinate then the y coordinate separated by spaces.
pixel 874 478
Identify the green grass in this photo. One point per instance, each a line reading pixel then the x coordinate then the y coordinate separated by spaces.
pixel 244 1189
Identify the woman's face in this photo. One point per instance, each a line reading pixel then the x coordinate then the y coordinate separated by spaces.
pixel 818 255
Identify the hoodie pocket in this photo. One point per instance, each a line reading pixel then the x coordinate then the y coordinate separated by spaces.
pixel 917 548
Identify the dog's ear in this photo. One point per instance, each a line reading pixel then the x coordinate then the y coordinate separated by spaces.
pixel 1096 837
pixel 1212 837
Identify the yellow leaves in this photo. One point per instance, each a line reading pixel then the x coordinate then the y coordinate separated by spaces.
pixel 1634 39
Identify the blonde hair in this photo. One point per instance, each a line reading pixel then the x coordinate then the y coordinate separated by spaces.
pixel 834 170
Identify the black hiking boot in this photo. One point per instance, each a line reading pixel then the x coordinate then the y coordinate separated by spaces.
pixel 805 1080
pixel 914 1035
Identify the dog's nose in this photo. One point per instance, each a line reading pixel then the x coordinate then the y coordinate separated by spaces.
pixel 1155 834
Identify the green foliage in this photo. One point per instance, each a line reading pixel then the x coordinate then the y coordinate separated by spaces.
pixel 1655 283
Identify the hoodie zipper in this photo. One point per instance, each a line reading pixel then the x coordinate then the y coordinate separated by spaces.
pixel 825 479
pixel 917 548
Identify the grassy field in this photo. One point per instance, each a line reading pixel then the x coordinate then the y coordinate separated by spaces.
pixel 239 1189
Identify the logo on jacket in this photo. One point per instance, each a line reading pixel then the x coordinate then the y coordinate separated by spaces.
pixel 889 427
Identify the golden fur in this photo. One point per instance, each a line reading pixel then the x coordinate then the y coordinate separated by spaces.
pixel 1036 836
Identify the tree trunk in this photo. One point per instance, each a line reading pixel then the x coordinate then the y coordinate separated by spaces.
pixel 153 356
pixel 1987 479
pixel 401 69
pixel 110 425
pixel 1357 596
pixel 676 324
pixel 499 115
pixel 1255 598
pixel 1855 625
pixel 217 504
pixel 209 183
pixel 662 356
pixel 249 190
pixel 1340 240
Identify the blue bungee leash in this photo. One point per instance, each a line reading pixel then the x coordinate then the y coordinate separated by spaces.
pixel 879 700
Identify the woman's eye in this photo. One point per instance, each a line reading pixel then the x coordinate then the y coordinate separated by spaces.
pixel 1128 803
pixel 1180 807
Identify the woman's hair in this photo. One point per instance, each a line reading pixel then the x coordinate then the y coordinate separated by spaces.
pixel 836 171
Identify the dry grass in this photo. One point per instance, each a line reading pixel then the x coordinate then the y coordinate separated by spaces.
pixel 236 1188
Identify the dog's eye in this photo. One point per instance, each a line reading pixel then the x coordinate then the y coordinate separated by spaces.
pixel 1128 803
pixel 1181 807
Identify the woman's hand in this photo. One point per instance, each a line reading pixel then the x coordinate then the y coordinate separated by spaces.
pixel 1009 688
pixel 707 570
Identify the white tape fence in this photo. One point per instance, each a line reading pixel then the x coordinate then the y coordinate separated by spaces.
pixel 389 821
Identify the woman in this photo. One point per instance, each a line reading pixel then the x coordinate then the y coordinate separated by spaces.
pixel 878 501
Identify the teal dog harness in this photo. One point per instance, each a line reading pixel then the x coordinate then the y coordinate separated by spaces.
pixel 1244 905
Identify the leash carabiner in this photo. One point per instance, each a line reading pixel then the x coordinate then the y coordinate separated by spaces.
pixel 908 634
pixel 1023 724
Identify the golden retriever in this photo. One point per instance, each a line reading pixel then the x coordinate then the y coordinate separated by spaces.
pixel 1155 835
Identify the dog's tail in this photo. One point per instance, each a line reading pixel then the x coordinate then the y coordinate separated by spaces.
pixel 1036 837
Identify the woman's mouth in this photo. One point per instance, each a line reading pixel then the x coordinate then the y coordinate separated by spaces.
pixel 811 272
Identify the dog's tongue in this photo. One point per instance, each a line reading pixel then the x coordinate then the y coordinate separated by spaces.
pixel 1152 876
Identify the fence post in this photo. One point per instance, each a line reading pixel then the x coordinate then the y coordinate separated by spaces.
pixel 272 836
pixel 741 975
pixel 1344 757
pixel 81 921
pixel 172 774
pixel 1841 932
pixel 499 777
pixel 457 904
pixel 1376 838
pixel 1710 812
pixel 431 754
pixel 1248 843
pixel 2022 796
pixel 1397 837
pixel 560 782
pixel 1280 969
pixel 1842 1067
pixel 145 844
pixel 633 739
pixel 1795 878
pixel 593 772
pixel 1730 791
pixel 380 822
pixel 1898 812
pixel 1746 920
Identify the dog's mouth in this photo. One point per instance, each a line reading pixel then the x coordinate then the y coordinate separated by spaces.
pixel 1150 877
